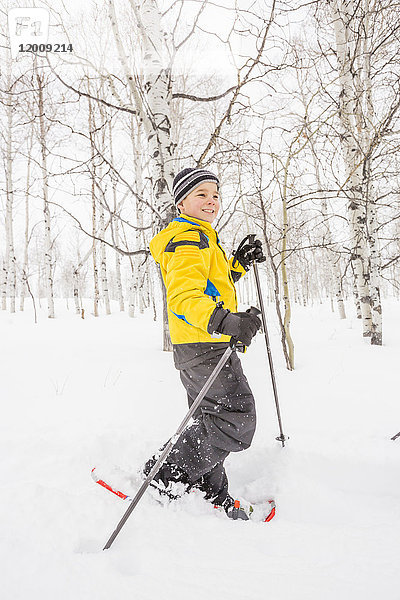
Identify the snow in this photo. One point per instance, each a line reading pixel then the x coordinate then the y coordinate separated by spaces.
pixel 83 393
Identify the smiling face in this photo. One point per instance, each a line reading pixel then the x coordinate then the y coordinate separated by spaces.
pixel 202 203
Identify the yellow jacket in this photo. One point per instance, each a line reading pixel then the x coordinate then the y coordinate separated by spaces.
pixel 197 274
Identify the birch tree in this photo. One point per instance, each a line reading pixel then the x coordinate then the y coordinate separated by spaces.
pixel 9 263
pixel 153 107
pixel 96 291
pixel 48 259
pixel 355 140
pixel 24 276
pixel 116 227
pixel 103 256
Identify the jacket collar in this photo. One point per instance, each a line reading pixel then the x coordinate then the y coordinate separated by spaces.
pixel 205 225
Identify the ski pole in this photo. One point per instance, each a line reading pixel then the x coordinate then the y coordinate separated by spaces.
pixel 281 438
pixel 395 436
pixel 175 437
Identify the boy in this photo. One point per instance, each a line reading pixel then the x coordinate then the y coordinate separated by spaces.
pixel 202 315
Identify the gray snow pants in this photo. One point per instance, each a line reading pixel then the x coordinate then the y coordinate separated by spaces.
pixel 225 422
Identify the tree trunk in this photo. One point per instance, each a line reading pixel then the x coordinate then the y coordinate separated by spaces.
pixel 24 279
pixel 96 293
pixel 132 294
pixel 370 192
pixel 103 270
pixel 116 228
pixel 350 118
pixel 120 293
pixel 75 279
pixel 48 260
pixel 10 278
pixel 285 285
pixel 278 306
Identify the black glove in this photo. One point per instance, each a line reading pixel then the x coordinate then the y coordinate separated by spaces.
pixel 242 326
pixel 248 254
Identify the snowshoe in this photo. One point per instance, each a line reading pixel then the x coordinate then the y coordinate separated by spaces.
pixel 244 511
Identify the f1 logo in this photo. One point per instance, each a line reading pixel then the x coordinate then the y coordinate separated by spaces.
pixel 27 26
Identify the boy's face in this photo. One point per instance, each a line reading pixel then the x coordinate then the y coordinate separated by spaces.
pixel 202 203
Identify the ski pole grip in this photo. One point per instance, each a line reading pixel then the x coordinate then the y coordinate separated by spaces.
pixel 234 341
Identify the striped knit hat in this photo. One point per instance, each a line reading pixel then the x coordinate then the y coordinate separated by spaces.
pixel 189 179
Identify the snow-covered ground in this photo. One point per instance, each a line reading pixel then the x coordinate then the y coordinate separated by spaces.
pixel 79 393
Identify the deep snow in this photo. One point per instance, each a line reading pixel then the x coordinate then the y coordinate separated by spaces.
pixel 79 393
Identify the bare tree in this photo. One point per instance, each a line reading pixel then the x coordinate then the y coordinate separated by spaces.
pixel 40 79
